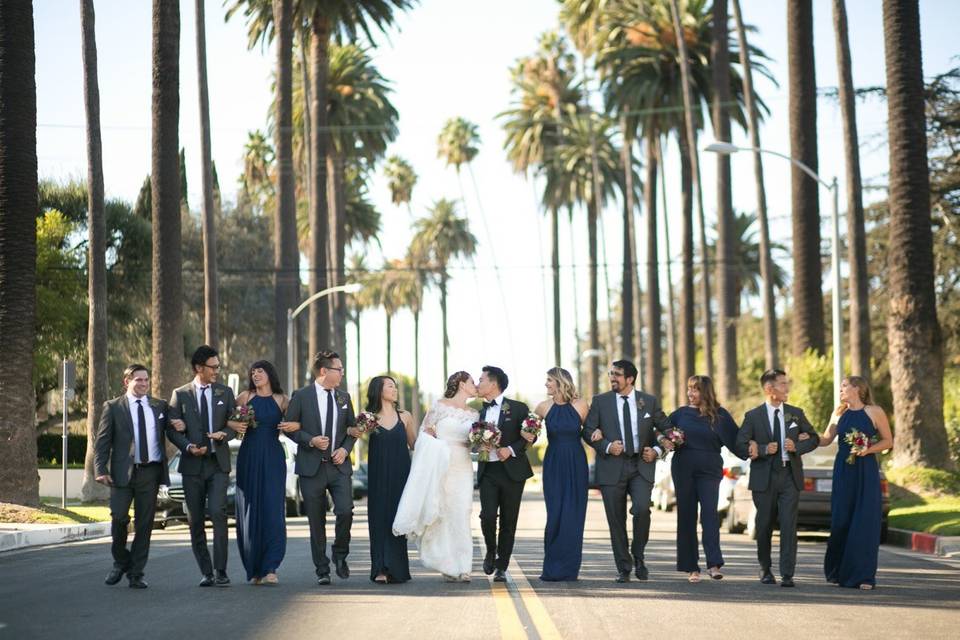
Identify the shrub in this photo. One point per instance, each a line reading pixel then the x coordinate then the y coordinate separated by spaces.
pixel 50 448
pixel 812 388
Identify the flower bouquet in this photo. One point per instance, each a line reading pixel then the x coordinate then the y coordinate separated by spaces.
pixel 858 441
pixel 532 424
pixel 674 436
pixel 366 423
pixel 244 413
pixel 484 437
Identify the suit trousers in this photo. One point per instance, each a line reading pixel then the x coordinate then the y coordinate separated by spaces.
pixel 314 489
pixel 780 500
pixel 142 492
pixel 206 494
pixel 499 493
pixel 615 506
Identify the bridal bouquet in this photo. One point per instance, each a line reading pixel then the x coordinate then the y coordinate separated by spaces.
pixel 674 436
pixel 484 437
pixel 366 423
pixel 532 424
pixel 244 413
pixel 858 442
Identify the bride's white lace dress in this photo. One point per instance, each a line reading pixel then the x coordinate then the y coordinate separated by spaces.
pixel 437 499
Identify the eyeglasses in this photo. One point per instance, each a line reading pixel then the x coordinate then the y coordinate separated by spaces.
pixel 215 367
pixel 340 369
pixel 615 374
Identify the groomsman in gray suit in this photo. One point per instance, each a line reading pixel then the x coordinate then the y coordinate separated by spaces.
pixel 622 426
pixel 198 427
pixel 131 458
pixel 323 460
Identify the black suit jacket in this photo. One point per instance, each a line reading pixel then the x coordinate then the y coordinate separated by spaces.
pixel 304 409
pixel 604 414
pixel 184 406
pixel 756 427
pixel 113 447
pixel 512 415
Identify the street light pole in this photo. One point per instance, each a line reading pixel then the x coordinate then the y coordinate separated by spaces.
pixel 727 148
pixel 352 287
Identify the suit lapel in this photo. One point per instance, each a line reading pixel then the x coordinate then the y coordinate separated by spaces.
pixel 643 431
pixel 502 416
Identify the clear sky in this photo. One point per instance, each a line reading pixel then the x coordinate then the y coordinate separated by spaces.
pixel 448 58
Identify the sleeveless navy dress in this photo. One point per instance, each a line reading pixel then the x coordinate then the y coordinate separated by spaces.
pixel 564 493
pixel 855 510
pixel 388 466
pixel 261 492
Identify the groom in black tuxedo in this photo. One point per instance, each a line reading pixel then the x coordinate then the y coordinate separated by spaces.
pixel 775 435
pixel 502 478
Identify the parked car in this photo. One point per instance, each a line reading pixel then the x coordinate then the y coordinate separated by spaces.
pixel 663 495
pixel 813 512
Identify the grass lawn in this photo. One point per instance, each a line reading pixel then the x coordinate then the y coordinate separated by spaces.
pixel 51 513
pixel 939 515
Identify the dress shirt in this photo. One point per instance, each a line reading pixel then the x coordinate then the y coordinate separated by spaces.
pixel 783 429
pixel 322 393
pixel 153 445
pixel 493 416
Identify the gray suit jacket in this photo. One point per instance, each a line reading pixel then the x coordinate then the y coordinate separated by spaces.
pixel 756 427
pixel 183 405
pixel 113 447
pixel 304 409
pixel 604 415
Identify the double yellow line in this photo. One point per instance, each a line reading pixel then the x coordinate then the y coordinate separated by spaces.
pixel 516 595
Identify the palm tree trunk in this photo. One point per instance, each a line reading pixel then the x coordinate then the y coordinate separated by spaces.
pixel 654 368
pixel 359 378
pixel 415 408
pixel 167 310
pixel 286 253
pixel 207 211
pixel 913 332
pixel 770 345
pixel 319 331
pixel 389 342
pixel 594 362
pixel 807 322
pixel 688 345
pixel 555 269
pixel 627 285
pixel 19 480
pixel 96 255
pixel 307 125
pixel 856 233
pixel 671 313
pixel 443 314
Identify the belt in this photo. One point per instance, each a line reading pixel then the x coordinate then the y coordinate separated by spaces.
pixel 138 465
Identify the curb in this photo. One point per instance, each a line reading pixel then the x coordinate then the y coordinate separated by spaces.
pixel 924 542
pixel 37 535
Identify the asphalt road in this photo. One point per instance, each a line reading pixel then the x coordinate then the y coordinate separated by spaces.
pixel 58 592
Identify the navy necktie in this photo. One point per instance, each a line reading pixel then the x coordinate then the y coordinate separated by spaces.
pixel 629 446
pixel 143 451
pixel 205 417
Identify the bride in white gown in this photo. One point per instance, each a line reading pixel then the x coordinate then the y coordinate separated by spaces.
pixel 437 499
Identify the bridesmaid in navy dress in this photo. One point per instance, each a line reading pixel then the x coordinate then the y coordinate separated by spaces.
pixel 388 465
pixel 697 469
pixel 262 477
pixel 855 501
pixel 564 477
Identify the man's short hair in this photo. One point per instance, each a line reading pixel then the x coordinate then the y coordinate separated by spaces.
pixel 324 360
pixel 203 353
pixel 132 369
pixel 770 376
pixel 629 369
pixel 498 375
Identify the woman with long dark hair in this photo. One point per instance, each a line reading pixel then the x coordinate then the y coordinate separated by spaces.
pixel 262 476
pixel 697 469
pixel 855 499
pixel 388 465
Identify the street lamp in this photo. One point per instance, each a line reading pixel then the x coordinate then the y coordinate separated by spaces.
pixel 727 148
pixel 352 287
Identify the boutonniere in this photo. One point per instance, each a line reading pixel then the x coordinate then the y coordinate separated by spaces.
pixel 154 404
pixel 217 392
pixel 790 420
pixel 505 409
pixel 341 401
pixel 640 406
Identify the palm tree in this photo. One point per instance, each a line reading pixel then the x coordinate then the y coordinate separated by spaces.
pixel 807 321
pixel 913 332
pixel 458 143
pixel 96 255
pixel 409 290
pixel 167 299
pixel 401 179
pixel 383 292
pixel 439 238
pixel 207 211
pixel 770 348
pixel 856 233
pixel 357 268
pixel 257 180
pixel 18 246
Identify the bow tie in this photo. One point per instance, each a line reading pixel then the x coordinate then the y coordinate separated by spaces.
pixel 487 405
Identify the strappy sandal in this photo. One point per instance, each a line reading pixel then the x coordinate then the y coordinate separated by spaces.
pixel 270 580
pixel 867 587
pixel 714 572
pixel 381 579
pixel 694 577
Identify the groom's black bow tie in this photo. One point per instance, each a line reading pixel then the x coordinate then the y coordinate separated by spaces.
pixel 487 405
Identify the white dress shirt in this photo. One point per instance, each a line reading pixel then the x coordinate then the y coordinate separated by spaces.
pixel 493 416
pixel 322 393
pixel 153 445
pixel 632 403
pixel 781 449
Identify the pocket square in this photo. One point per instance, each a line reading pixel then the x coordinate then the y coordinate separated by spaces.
pixel 220 403
pixel 646 415
pixel 160 416
pixel 792 425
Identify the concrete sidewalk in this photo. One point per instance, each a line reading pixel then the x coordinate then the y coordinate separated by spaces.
pixel 19 536
pixel 948 546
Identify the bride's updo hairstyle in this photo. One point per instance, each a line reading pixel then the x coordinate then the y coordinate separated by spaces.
pixel 453 383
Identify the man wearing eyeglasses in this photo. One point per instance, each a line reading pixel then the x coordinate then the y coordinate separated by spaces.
pixel 198 427
pixel 622 427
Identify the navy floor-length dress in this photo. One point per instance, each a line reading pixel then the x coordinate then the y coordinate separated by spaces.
pixel 697 469
pixel 261 492
pixel 388 466
pixel 855 510
pixel 564 493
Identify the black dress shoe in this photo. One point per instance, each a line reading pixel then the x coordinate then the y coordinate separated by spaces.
pixel 207 580
pixel 623 576
pixel 767 578
pixel 500 576
pixel 488 562
pixel 222 580
pixel 640 570
pixel 323 580
pixel 343 571
pixel 787 581
pixel 114 576
pixel 137 582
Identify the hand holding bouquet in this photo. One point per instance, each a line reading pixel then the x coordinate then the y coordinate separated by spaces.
pixel 245 415
pixel 366 423
pixel 675 437
pixel 859 442
pixel 484 437
pixel 532 425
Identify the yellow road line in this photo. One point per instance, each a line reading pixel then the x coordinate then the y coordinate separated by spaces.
pixel 531 601
pixel 510 626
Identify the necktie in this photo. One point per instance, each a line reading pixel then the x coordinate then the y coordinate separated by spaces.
pixel 143 452
pixel 629 446
pixel 328 425
pixel 205 417
pixel 777 431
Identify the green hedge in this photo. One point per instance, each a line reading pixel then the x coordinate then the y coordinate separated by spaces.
pixel 50 448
